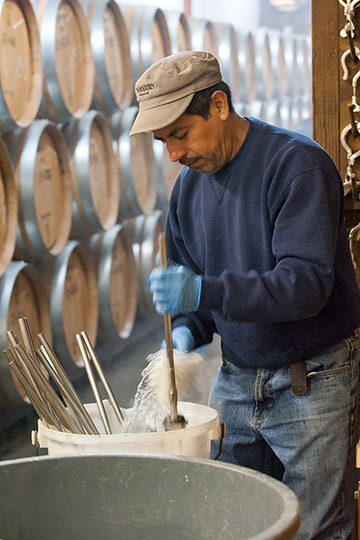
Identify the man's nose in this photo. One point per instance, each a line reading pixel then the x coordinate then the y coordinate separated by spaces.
pixel 176 150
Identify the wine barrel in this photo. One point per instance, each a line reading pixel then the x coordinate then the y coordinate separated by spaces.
pixel 114 85
pixel 279 112
pixel 68 65
pixel 302 113
pixel 287 112
pixel 203 35
pixel 273 112
pixel 228 57
pixel 265 79
pixel 303 59
pixel 306 107
pixel 278 64
pixel 149 36
pixel 94 174
pixel 297 112
pixel 263 68
pixel 179 31
pixel 42 177
pixel 145 247
pixel 136 166
pixel 20 65
pixel 256 108
pixel 166 174
pixel 247 65
pixel 22 294
pixel 291 63
pixel 240 107
pixel 8 209
pixel 73 295
pixel 116 280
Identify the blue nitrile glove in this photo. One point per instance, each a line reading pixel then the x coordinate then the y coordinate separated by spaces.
pixel 182 339
pixel 175 289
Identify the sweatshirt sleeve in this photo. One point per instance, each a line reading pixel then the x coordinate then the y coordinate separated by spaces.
pixel 201 322
pixel 306 220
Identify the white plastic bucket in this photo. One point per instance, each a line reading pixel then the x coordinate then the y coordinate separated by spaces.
pixel 192 441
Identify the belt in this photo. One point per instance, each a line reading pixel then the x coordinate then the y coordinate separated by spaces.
pixel 299 383
pixel 298 377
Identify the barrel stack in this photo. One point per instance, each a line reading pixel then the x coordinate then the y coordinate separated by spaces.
pixel 83 203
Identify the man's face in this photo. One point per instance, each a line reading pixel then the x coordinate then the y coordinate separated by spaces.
pixel 198 143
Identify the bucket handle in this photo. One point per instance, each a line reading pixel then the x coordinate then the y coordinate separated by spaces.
pixel 35 441
pixel 219 433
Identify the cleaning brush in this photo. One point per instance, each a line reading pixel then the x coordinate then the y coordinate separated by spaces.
pixel 186 367
pixel 162 366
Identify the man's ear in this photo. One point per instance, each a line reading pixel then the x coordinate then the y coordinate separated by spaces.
pixel 219 101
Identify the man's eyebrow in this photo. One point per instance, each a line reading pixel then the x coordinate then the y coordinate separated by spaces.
pixel 174 132
pixel 171 134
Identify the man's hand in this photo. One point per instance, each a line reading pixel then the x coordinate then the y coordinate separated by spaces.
pixel 175 289
pixel 182 339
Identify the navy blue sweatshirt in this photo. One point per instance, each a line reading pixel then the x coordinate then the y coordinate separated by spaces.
pixel 267 235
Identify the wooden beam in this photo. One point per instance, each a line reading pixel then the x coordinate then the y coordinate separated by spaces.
pixel 326 75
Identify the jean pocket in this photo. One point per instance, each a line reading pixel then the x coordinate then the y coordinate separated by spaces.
pixel 326 373
pixel 225 366
pixel 332 362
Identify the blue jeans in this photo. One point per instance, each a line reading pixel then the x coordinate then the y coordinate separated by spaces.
pixel 306 441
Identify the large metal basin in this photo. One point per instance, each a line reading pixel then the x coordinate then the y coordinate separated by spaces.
pixel 141 496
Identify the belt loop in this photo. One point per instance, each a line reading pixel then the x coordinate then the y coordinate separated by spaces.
pixel 298 377
pixel 354 340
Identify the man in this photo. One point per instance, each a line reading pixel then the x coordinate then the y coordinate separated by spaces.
pixel 259 255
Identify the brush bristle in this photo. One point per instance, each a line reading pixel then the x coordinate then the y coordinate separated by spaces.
pixel 186 366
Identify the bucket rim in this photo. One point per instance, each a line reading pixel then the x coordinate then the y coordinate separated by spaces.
pixel 208 426
pixel 288 522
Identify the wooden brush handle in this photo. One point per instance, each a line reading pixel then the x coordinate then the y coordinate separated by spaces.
pixel 168 340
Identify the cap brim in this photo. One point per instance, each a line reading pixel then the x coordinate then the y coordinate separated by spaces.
pixel 160 116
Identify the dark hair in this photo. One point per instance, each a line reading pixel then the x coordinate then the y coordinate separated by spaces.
pixel 200 103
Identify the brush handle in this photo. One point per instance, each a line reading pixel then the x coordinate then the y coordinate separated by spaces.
pixel 168 341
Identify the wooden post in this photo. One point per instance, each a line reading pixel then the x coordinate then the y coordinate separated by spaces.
pixel 326 75
pixel 332 95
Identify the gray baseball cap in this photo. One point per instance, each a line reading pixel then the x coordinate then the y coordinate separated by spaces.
pixel 165 89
